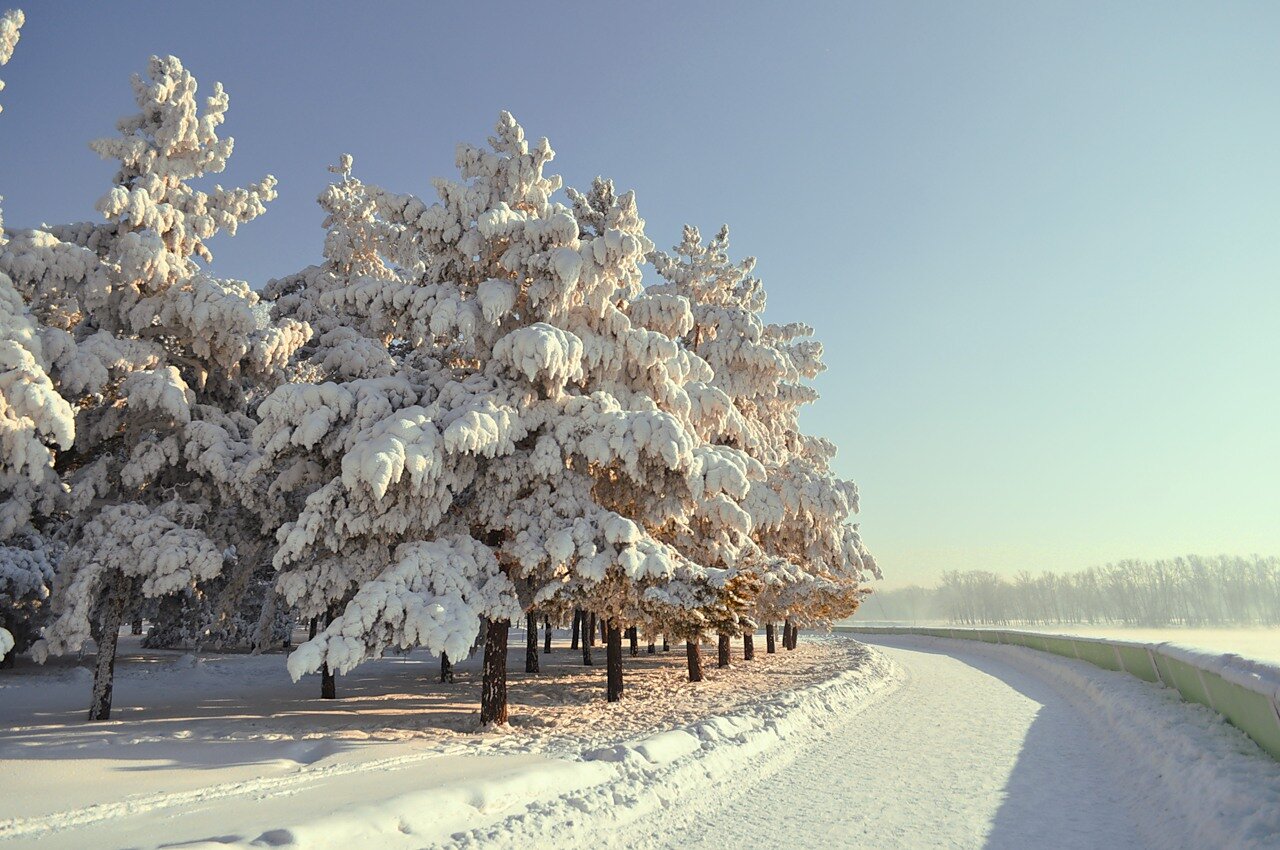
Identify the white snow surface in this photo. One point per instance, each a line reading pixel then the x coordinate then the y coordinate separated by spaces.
pixel 913 742
pixel 225 750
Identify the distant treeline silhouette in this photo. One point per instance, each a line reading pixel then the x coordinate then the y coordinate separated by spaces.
pixel 1187 591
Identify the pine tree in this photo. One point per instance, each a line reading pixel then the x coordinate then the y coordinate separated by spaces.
pixel 810 561
pixel 162 359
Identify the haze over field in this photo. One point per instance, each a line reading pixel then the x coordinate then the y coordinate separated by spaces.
pixel 1038 243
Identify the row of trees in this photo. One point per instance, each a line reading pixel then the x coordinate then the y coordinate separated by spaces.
pixel 1187 591
pixel 472 411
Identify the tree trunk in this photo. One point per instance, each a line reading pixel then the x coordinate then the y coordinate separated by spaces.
pixel 770 639
pixel 604 631
pixel 635 640
pixel 493 689
pixel 530 643
pixel 693 652
pixel 311 632
pixel 446 669
pixel 591 629
pixel 722 656
pixel 108 635
pixel 584 623
pixel 577 628
pixel 328 685
pixel 652 648
pixel 666 644
pixel 546 642
pixel 613 662
pixel 787 635
pixel 135 628
pixel 748 646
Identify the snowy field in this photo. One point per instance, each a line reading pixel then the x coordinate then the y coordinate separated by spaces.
pixel 911 742
pixel 1261 644
pixel 213 747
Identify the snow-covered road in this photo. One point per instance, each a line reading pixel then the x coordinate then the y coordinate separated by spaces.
pixel 971 752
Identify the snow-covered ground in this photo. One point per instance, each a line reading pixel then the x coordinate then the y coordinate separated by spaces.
pixel 1004 747
pixel 912 742
pixel 226 746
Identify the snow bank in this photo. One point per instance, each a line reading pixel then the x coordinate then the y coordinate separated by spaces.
pixel 553 800
pixel 403 820
pixel 676 772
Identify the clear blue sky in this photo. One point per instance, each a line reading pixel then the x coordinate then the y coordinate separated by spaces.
pixel 1041 242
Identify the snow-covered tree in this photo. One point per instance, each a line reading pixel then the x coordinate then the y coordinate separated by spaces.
pixel 814 561
pixel 35 421
pixel 160 358
pixel 501 436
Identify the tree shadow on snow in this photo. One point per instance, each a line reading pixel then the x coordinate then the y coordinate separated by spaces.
pixel 172 711
pixel 1062 792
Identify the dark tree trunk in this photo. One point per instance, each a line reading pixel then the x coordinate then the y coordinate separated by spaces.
pixel 328 685
pixel 788 635
pixel 604 631
pixel 135 628
pixel 577 628
pixel 613 662
pixel 546 642
pixel 770 639
pixel 446 669
pixel 722 656
pixel 748 646
pixel 635 640
pixel 108 635
pixel 10 660
pixel 311 632
pixel 693 652
pixel 493 689
pixel 585 625
pixel 530 643
pixel 591 629
pixel 652 648
pixel 666 644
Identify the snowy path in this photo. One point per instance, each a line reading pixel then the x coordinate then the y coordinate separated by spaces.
pixel 971 752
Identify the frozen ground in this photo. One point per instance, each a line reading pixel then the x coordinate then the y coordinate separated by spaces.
pixel 917 743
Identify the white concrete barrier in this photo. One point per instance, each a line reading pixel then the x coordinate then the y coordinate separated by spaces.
pixel 1245 692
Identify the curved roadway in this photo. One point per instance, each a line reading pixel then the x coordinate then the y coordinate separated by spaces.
pixel 970 753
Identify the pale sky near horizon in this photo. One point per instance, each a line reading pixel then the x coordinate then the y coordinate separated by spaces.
pixel 1040 241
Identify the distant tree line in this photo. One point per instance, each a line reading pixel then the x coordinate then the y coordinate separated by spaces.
pixel 1193 590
